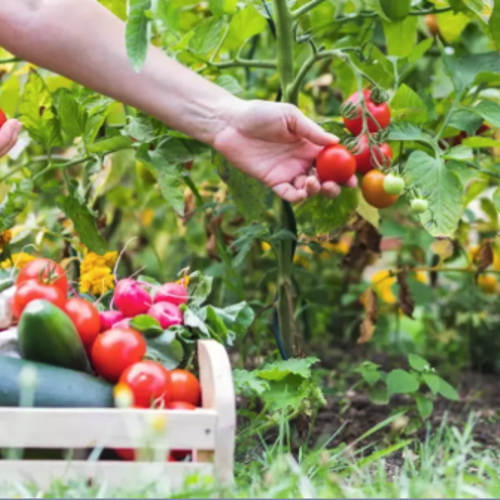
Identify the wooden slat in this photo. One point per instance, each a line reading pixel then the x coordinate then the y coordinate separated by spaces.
pixel 115 474
pixel 89 428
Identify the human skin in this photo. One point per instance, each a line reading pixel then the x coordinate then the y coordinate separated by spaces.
pixel 8 136
pixel 81 40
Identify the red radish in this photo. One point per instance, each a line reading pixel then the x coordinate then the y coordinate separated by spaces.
pixel 167 314
pixel 124 324
pixel 131 298
pixel 109 318
pixel 175 293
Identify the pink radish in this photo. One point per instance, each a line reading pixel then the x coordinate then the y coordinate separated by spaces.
pixel 167 314
pixel 131 299
pixel 109 318
pixel 174 293
pixel 124 324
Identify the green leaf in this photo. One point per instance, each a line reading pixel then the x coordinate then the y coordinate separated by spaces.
pixel 443 190
pixel 408 132
pixel 84 221
pixel 326 215
pixel 401 382
pixel 481 142
pixel 199 288
pixel 451 25
pixel 37 113
pixel 447 391
pixel 370 373
pixel 279 370
pixel 147 325
pixel 407 105
pixel 490 111
pixel 417 362
pixel 221 7
pixel 110 144
pixel 245 24
pixel 250 196
pixel 72 114
pixel 494 23
pixel 496 199
pixel 166 349
pixel 229 83
pixel 459 153
pixel 401 36
pixel 138 32
pixel 14 203
pixel 375 6
pixel 433 382
pixel 206 35
pixel 419 51
pixel 464 69
pixel 248 384
pixel 193 320
pixel 478 7
pixel 466 120
pixel 424 406
pixel 378 395
pixel 117 7
pixel 142 128
pixel 237 318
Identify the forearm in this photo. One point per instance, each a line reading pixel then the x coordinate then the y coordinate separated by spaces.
pixel 84 42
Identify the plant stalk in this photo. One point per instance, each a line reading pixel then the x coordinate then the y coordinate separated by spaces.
pixel 284 38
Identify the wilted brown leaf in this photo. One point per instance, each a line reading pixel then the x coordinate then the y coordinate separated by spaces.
pixel 484 256
pixel 364 248
pixel 406 301
pixel 370 320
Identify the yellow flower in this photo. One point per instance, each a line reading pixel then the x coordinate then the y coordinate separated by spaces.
pixel 265 246
pixel 488 284
pixel 19 260
pixel 147 216
pixel 6 237
pixel 97 281
pixel 91 260
pixel 383 283
pixel 183 281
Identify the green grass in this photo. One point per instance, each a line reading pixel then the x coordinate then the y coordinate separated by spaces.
pixel 447 464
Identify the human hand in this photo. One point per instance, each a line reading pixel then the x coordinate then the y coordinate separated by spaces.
pixel 9 134
pixel 277 145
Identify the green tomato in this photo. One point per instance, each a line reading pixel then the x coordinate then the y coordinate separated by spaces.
pixel 419 205
pixel 393 184
pixel 396 10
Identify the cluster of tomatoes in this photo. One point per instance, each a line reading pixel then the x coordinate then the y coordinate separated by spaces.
pixel 117 351
pixel 338 164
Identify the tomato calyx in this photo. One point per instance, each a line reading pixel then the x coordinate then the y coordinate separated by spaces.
pixel 379 95
pixel 48 275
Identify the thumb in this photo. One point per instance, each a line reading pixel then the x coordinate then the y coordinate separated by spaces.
pixel 305 128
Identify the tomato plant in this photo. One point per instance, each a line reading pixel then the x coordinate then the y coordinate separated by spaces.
pixel 370 158
pixel 380 114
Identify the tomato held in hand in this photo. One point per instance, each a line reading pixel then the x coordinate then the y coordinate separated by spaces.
pixel 31 290
pixel 149 382
pixel 115 350
pixel 335 163
pixel 373 190
pixel 380 112
pixel 364 158
pixel 45 271
pixel 86 319
pixel 185 387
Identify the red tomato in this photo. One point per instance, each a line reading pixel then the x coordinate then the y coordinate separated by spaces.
pixel 115 350
pixel 381 113
pixel 373 190
pixel 335 163
pixel 364 159
pixel 86 319
pixel 149 382
pixel 185 387
pixel 31 290
pixel 45 271
pixel 3 118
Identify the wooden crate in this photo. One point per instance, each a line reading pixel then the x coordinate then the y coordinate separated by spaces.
pixel 208 431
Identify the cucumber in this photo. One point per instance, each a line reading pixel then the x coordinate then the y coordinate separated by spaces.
pixel 47 335
pixel 396 10
pixel 55 387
